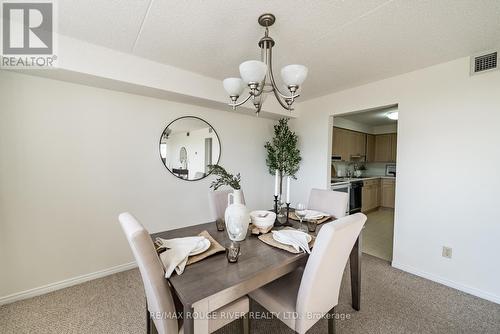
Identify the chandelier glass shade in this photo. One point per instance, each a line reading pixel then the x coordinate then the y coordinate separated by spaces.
pixel 259 78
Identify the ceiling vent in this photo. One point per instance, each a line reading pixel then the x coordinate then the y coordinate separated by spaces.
pixel 484 62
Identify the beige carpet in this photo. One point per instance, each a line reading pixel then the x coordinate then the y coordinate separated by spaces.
pixel 378 233
pixel 392 302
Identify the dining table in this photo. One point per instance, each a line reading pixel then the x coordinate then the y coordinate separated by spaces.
pixel 213 282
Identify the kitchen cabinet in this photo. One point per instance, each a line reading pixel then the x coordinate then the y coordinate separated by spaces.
pixel 358 145
pixel 385 147
pixel 340 143
pixel 370 195
pixel 388 193
pixel 348 144
pixel 394 143
pixel 370 148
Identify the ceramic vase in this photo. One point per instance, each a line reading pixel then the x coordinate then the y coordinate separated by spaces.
pixel 236 216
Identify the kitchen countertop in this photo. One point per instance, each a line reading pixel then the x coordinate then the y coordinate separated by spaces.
pixel 342 180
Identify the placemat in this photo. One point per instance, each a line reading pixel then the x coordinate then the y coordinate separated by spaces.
pixel 292 215
pixel 268 239
pixel 214 248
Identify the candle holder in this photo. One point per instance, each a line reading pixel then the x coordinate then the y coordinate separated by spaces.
pixel 287 223
pixel 276 223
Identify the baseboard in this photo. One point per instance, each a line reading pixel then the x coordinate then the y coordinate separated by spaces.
pixel 65 283
pixel 465 288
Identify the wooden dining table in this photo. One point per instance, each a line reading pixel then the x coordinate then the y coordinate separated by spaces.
pixel 213 282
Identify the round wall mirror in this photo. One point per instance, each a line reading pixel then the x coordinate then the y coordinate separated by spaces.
pixel 187 146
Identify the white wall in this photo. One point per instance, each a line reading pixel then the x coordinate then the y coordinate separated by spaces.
pixel 74 157
pixel 446 120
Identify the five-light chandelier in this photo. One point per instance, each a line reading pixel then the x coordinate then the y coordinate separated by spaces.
pixel 258 76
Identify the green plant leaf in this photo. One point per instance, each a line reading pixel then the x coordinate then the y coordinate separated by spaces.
pixel 223 178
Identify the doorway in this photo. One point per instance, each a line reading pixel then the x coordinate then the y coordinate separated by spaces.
pixel 364 151
pixel 208 154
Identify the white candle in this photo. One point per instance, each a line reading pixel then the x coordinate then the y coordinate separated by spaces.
pixel 288 190
pixel 276 183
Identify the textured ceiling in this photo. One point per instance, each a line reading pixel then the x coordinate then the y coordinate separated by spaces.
pixel 344 43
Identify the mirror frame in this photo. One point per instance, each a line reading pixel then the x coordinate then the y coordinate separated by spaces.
pixel 159 145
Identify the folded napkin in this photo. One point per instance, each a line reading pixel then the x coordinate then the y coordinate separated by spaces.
pixel 314 215
pixel 297 239
pixel 177 253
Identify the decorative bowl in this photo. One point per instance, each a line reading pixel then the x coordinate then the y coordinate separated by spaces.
pixel 262 218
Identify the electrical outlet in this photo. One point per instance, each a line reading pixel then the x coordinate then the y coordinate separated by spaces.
pixel 447 251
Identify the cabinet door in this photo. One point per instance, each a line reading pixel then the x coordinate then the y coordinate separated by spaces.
pixel 383 147
pixel 356 142
pixel 365 199
pixel 388 193
pixel 373 193
pixel 378 195
pixel 359 144
pixel 394 143
pixel 370 148
pixel 370 194
pixel 341 143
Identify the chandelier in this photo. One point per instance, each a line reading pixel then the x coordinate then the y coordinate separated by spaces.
pixel 259 78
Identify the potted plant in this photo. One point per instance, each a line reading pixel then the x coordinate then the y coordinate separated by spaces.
pixel 359 169
pixel 224 178
pixel 283 153
pixel 236 215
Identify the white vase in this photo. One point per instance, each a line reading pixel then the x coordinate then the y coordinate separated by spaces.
pixel 236 216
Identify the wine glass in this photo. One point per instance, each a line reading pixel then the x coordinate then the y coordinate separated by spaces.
pixel 300 212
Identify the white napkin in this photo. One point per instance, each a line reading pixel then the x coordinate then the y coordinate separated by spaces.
pixel 177 253
pixel 297 239
pixel 313 215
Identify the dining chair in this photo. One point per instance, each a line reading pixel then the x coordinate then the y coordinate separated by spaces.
pixel 218 202
pixel 160 306
pixel 313 292
pixel 329 201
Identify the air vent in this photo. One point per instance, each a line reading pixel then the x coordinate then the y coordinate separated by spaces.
pixel 484 62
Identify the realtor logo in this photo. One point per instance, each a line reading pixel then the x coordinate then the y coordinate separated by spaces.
pixel 27 30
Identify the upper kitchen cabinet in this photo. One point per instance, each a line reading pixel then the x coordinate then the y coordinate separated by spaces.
pixel 370 148
pixel 348 145
pixel 385 147
pixel 358 148
pixel 340 143
pixel 394 144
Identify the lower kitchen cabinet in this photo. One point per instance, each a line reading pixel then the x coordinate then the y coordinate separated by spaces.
pixel 388 187
pixel 378 192
pixel 370 196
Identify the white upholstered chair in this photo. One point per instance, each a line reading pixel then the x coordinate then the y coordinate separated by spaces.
pixel 218 202
pixel 329 201
pixel 158 294
pixel 313 292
